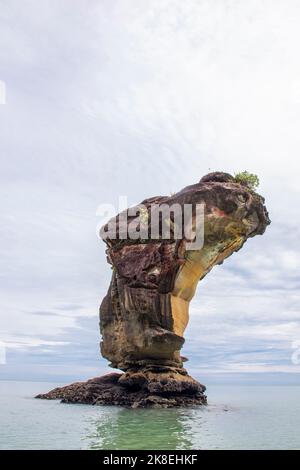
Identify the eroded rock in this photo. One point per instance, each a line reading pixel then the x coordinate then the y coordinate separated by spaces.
pixel 146 310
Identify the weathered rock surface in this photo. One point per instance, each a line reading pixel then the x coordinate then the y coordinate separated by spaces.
pixel 146 310
pixel 136 391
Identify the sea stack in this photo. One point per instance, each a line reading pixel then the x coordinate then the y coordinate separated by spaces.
pixel 154 277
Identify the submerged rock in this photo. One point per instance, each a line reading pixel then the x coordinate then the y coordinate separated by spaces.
pixel 145 312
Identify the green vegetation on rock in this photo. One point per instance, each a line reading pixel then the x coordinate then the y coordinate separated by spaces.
pixel 247 179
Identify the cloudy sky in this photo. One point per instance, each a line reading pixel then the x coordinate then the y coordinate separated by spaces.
pixel 139 98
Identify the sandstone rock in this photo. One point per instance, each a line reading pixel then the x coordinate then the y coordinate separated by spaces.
pixel 146 310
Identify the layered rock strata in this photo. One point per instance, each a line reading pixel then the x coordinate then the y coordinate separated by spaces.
pixel 146 310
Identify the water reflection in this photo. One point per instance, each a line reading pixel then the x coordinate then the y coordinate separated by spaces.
pixel 143 429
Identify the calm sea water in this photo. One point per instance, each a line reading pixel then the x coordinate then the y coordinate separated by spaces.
pixel 238 417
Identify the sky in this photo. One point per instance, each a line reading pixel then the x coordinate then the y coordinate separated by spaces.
pixel 137 98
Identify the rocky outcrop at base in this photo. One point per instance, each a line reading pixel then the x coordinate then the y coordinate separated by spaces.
pixel 143 389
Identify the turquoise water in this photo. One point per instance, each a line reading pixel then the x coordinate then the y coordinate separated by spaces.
pixel 237 417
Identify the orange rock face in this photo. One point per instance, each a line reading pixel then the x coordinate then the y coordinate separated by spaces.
pixel 146 310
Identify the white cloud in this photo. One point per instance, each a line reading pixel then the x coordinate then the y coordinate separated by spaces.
pixel 141 99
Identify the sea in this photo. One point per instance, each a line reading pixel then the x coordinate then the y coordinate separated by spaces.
pixel 236 417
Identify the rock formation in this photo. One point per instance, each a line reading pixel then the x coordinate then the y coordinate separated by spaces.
pixel 146 310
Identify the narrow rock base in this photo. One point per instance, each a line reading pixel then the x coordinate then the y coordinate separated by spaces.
pixel 134 389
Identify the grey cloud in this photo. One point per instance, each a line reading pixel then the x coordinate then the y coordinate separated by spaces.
pixel 125 99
